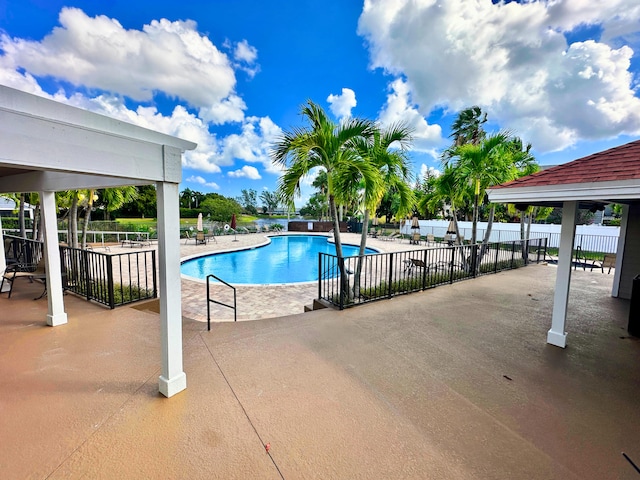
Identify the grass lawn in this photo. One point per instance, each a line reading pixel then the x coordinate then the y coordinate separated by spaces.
pixel 146 223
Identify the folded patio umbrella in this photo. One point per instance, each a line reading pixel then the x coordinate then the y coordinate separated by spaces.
pixel 199 223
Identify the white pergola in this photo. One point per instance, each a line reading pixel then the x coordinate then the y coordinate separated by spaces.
pixel 46 147
pixel 579 185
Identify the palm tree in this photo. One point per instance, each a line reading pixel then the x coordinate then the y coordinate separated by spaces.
pixel 482 165
pixel 395 169
pixel 497 159
pixel 447 191
pixel 466 128
pixel 331 147
pixel 115 198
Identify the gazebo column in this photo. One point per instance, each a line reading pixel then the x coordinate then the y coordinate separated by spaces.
pixel 3 262
pixel 56 315
pixel 173 379
pixel 557 335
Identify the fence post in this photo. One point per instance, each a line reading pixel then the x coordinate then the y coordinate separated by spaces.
pixel 153 269
pixel 474 260
pixel 320 274
pixel 342 273
pixel 85 260
pixel 453 257
pixel 513 253
pixel 390 274
pixel 110 286
pixel 424 270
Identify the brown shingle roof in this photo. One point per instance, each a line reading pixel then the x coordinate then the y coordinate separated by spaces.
pixel 618 163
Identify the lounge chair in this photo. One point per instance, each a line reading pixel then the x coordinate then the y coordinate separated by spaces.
pixel 412 263
pixel 608 261
pixel 32 272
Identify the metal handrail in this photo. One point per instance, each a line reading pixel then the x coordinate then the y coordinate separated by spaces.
pixel 211 300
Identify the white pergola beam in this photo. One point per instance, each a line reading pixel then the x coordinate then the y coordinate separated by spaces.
pixel 557 335
pixel 38 181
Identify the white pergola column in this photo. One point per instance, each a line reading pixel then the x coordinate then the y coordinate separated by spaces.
pixel 173 379
pixel 3 261
pixel 622 241
pixel 56 315
pixel 557 335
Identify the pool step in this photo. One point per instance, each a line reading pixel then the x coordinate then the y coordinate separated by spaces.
pixel 317 305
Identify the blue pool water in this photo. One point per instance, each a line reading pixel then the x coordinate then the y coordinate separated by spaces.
pixel 287 259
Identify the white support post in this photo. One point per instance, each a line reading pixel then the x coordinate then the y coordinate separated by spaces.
pixel 622 241
pixel 56 315
pixel 173 379
pixel 3 262
pixel 557 335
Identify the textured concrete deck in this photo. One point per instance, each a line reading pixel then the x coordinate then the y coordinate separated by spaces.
pixel 456 383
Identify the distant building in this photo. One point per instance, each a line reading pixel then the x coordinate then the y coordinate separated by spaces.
pixel 9 208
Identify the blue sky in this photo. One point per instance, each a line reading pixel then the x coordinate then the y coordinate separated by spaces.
pixel 231 75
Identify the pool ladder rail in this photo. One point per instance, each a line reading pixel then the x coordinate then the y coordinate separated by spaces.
pixel 211 300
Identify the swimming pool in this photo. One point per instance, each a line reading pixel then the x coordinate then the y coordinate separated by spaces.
pixel 287 259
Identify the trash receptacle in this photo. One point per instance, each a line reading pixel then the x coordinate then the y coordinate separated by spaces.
pixel 634 308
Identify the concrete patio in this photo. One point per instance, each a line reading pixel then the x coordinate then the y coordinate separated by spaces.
pixel 456 382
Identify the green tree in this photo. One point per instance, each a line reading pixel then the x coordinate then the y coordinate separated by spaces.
pixel 145 205
pixel 249 200
pixel 481 165
pixel 270 200
pixel 219 208
pixel 331 147
pixel 115 198
pixel 447 191
pixel 392 164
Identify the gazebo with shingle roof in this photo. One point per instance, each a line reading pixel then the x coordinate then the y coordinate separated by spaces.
pixel 611 176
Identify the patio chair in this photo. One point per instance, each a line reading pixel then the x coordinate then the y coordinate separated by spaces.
pixel 412 263
pixel 608 261
pixel 415 238
pixel 187 237
pixel 32 272
pixel 430 238
pixel 200 239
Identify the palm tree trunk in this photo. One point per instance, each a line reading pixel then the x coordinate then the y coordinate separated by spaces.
pixel 522 237
pixel 344 281
pixel 529 220
pixel 73 222
pixel 36 223
pixel 487 236
pixel 23 229
pixel 85 225
pixel 476 200
pixel 363 247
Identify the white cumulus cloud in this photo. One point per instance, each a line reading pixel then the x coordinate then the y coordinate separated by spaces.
pixel 513 59
pixel 201 181
pixel 426 170
pixel 342 104
pixel 98 53
pixel 399 107
pixel 246 172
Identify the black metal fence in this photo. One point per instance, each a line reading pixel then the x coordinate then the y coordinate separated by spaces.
pixel 110 279
pixel 351 281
